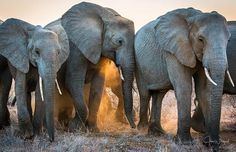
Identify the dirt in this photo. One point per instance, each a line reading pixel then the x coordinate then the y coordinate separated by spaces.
pixel 116 136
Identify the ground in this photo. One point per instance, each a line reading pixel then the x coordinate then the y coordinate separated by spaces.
pixel 115 136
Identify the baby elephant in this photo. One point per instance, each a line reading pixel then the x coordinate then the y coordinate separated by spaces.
pixel 34 55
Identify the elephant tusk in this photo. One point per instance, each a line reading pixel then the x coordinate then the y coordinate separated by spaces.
pixel 208 76
pixel 41 88
pixel 58 87
pixel 230 78
pixel 121 74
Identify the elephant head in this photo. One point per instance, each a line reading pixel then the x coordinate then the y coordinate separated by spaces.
pixel 26 45
pixel 99 31
pixel 196 37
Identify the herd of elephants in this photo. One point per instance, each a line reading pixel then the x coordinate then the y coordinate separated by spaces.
pixel 171 52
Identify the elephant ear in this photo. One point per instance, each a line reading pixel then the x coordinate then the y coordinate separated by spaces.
pixel 14 35
pixel 62 38
pixel 84 28
pixel 172 34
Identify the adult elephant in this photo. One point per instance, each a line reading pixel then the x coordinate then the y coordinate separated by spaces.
pixel 95 32
pixel 169 51
pixel 5 86
pixel 34 56
pixel 64 109
pixel 197 121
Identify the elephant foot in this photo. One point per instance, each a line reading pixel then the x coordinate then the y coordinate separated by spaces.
pixel 206 140
pixel 93 129
pixel 183 139
pixel 156 130
pixel 76 125
pixel 142 125
pixel 37 130
pixel 4 124
pixel 26 130
pixel 209 143
pixel 5 120
pixel 37 127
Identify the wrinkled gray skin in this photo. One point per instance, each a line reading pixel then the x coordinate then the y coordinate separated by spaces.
pixel 5 86
pixel 197 121
pixel 32 51
pixel 169 51
pixel 96 32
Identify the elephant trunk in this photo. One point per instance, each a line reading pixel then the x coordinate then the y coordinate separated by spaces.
pixel 127 85
pixel 127 75
pixel 215 97
pixel 48 92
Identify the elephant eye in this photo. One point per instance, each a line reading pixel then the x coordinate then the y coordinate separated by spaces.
pixel 58 51
pixel 120 41
pixel 201 39
pixel 37 51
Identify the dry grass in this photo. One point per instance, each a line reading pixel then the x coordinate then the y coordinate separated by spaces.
pixel 115 136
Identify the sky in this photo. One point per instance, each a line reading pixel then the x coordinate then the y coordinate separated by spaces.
pixel 42 12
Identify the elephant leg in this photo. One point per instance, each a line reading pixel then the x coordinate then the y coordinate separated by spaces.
pixel 145 96
pixel 39 112
pixel 181 79
pixel 5 86
pixel 143 113
pixel 21 97
pixel 75 79
pixel 155 120
pixel 96 91
pixel 200 118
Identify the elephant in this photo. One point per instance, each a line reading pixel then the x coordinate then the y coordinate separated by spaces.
pixel 169 52
pixel 64 109
pixel 95 32
pixel 197 121
pixel 34 55
pixel 5 86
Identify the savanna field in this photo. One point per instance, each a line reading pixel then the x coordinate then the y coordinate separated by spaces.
pixel 117 136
